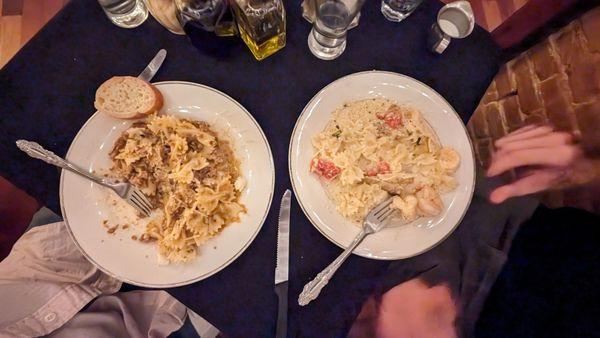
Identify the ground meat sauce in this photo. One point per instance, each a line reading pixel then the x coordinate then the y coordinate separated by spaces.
pixel 145 156
pixel 119 144
pixel 206 172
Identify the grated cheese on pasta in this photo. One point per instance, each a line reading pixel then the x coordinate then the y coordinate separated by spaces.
pixel 189 174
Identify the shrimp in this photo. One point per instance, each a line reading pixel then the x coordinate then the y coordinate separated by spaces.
pixel 407 207
pixel 449 159
pixel 429 202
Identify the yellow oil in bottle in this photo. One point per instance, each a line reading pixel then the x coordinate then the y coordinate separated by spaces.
pixel 261 24
pixel 261 50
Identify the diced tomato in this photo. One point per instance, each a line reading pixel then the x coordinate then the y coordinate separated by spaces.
pixel 371 172
pixel 325 168
pixel 392 116
pixel 381 168
pixel 393 121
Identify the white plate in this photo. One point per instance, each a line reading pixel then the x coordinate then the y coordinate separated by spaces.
pixel 84 205
pixel 393 242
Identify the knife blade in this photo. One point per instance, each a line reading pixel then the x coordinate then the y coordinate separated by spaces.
pixel 148 73
pixel 282 267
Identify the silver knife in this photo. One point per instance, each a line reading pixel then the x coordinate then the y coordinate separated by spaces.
pixel 282 268
pixel 148 73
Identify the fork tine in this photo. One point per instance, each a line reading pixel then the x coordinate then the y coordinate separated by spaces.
pixel 134 204
pixel 144 207
pixel 139 205
pixel 147 202
pixel 142 197
pixel 387 213
pixel 381 207
pixel 139 199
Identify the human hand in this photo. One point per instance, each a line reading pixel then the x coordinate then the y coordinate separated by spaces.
pixel 413 309
pixel 545 159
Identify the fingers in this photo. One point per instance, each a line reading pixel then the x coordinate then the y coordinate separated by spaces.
pixel 547 140
pixel 538 181
pixel 524 129
pixel 523 134
pixel 560 156
pixel 528 149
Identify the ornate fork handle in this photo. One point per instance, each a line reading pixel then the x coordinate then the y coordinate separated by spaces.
pixel 35 150
pixel 312 289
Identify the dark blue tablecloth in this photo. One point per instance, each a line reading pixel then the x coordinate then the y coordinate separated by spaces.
pixel 47 92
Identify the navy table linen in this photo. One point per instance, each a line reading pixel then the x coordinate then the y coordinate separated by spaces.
pixel 47 93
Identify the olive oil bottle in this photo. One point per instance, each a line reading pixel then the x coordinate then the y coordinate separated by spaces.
pixel 261 24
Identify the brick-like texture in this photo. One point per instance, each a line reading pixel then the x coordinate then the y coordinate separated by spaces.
pixel 495 120
pixel 557 101
pixel 512 113
pixel 556 82
pixel 588 117
pixel 590 23
pixel 527 88
pixel 483 150
pixel 545 60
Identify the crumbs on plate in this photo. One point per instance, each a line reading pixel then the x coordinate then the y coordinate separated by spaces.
pixel 112 229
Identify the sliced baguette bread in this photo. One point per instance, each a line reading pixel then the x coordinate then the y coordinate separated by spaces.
pixel 127 97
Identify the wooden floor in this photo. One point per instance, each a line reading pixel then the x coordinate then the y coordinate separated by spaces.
pixel 489 14
pixel 21 19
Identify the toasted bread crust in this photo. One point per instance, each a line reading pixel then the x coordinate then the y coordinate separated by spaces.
pixel 104 92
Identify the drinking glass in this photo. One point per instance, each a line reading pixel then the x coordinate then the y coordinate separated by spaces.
pixel 398 10
pixel 125 13
pixel 327 39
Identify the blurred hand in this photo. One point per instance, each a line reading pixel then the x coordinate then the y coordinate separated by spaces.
pixel 412 309
pixel 545 159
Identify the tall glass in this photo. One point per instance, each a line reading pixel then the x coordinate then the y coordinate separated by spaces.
pixel 125 13
pixel 327 39
pixel 398 10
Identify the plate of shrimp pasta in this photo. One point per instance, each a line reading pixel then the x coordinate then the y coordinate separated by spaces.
pixel 374 135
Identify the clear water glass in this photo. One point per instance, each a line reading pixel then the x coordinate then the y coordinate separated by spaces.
pixel 125 13
pixel 327 39
pixel 398 10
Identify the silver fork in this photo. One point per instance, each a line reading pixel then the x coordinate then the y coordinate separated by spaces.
pixel 375 221
pixel 127 191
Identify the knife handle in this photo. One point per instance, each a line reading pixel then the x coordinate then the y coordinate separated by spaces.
pixel 281 290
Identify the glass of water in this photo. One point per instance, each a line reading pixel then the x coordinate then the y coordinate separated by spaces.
pixel 398 10
pixel 125 13
pixel 327 39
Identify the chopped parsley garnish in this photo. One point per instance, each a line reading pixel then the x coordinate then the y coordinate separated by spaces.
pixel 338 132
